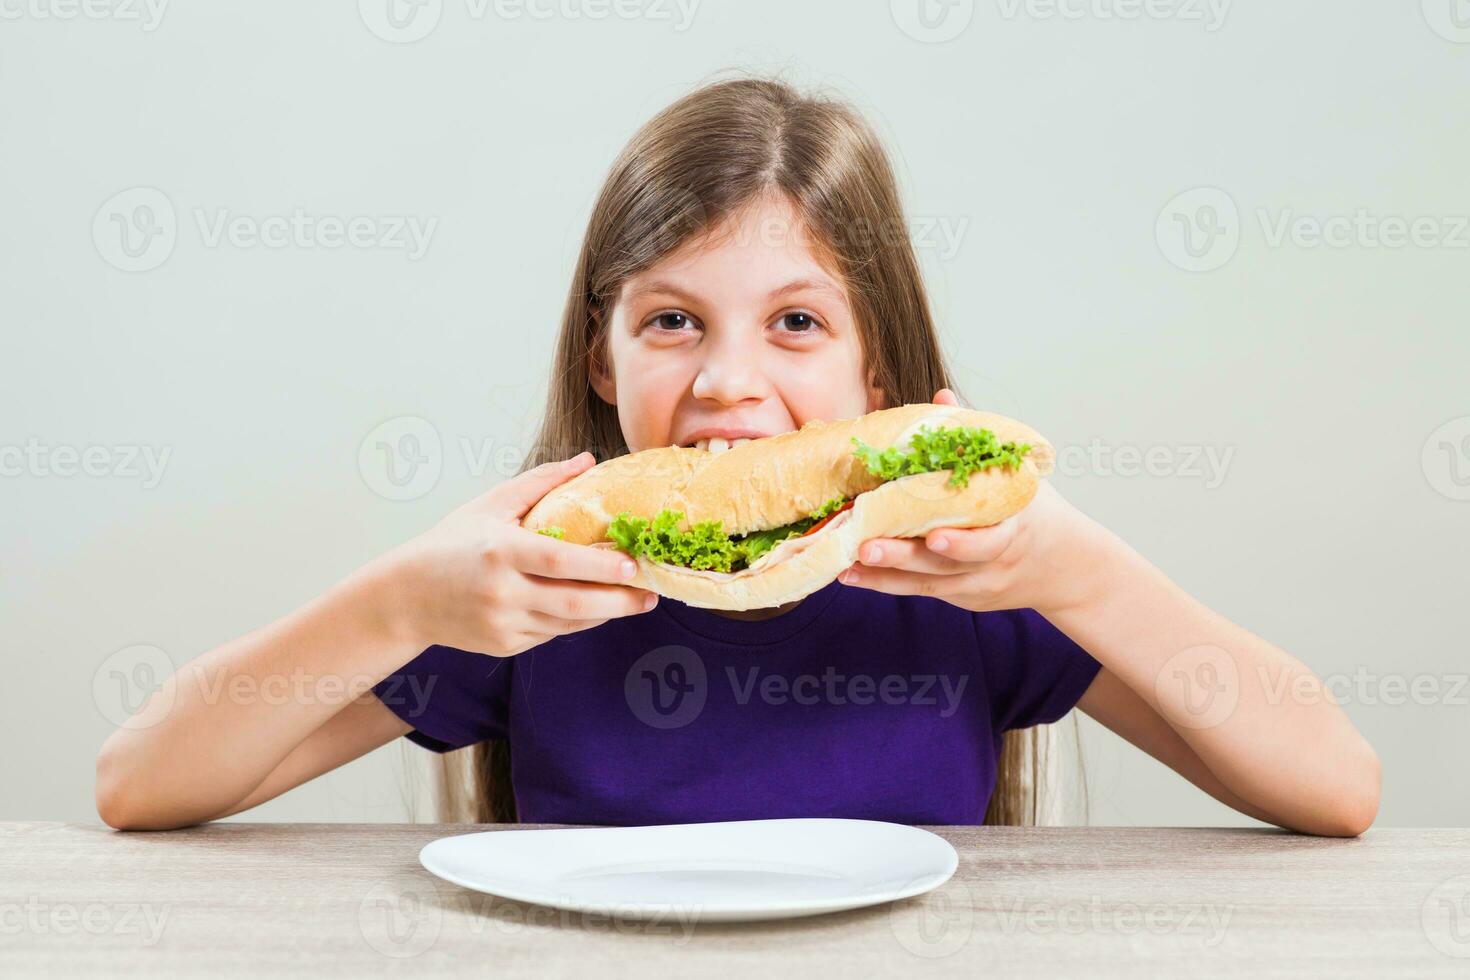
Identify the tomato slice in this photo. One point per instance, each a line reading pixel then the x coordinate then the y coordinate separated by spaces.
pixel 819 525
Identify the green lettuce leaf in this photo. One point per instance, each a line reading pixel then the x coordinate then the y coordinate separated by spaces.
pixel 960 449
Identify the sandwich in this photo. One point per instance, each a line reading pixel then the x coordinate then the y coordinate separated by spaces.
pixel 771 520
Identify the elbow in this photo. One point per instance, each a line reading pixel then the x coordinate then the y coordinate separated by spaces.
pixel 115 814
pixel 1355 811
pixel 126 800
pixel 119 801
pixel 113 804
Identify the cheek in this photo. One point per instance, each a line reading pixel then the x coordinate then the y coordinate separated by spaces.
pixel 650 385
pixel 823 384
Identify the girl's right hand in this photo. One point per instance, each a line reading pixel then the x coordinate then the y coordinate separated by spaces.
pixel 479 581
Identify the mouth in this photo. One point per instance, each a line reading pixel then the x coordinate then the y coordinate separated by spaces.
pixel 715 444
pixel 719 440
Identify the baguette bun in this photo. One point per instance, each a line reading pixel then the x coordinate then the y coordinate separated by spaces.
pixel 780 479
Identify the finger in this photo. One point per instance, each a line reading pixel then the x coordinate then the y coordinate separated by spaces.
pixel 585 600
pixel 946 397
pixel 541 554
pixel 519 494
pixel 557 626
pixel 968 545
pixel 909 554
pixel 896 581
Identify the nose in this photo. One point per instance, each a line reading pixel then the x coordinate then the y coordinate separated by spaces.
pixel 730 372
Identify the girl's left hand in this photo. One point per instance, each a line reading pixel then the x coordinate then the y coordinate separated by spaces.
pixel 1035 559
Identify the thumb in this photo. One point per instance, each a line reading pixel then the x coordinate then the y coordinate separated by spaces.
pixel 516 496
pixel 945 397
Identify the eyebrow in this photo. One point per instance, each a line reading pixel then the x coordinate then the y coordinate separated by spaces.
pixel 795 286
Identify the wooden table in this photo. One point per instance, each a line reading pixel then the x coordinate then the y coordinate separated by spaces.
pixel 351 900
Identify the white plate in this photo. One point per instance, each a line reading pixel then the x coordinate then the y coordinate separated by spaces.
pixel 713 872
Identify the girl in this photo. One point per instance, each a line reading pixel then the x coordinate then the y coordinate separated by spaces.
pixel 745 269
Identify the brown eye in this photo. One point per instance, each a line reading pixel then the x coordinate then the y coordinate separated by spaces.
pixel 671 321
pixel 798 322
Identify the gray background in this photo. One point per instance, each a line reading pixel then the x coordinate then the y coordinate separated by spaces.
pixel 1054 147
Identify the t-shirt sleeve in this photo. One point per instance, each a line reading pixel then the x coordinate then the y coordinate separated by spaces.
pixel 451 697
pixel 1034 672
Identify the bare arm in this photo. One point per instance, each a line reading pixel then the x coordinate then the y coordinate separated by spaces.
pixel 356 730
pixel 1113 704
pixel 1238 716
pixel 258 715
pixel 266 712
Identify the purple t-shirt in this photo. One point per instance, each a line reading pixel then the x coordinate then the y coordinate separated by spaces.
pixel 856 703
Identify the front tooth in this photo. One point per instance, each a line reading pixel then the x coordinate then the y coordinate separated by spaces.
pixel 738 442
pixel 718 445
pixel 702 444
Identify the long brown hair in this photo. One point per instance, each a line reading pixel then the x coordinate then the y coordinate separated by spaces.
pixel 700 160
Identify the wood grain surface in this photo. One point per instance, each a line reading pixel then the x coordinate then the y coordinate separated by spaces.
pixel 237 899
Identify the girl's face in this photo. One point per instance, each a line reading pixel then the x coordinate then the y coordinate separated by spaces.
pixel 740 333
